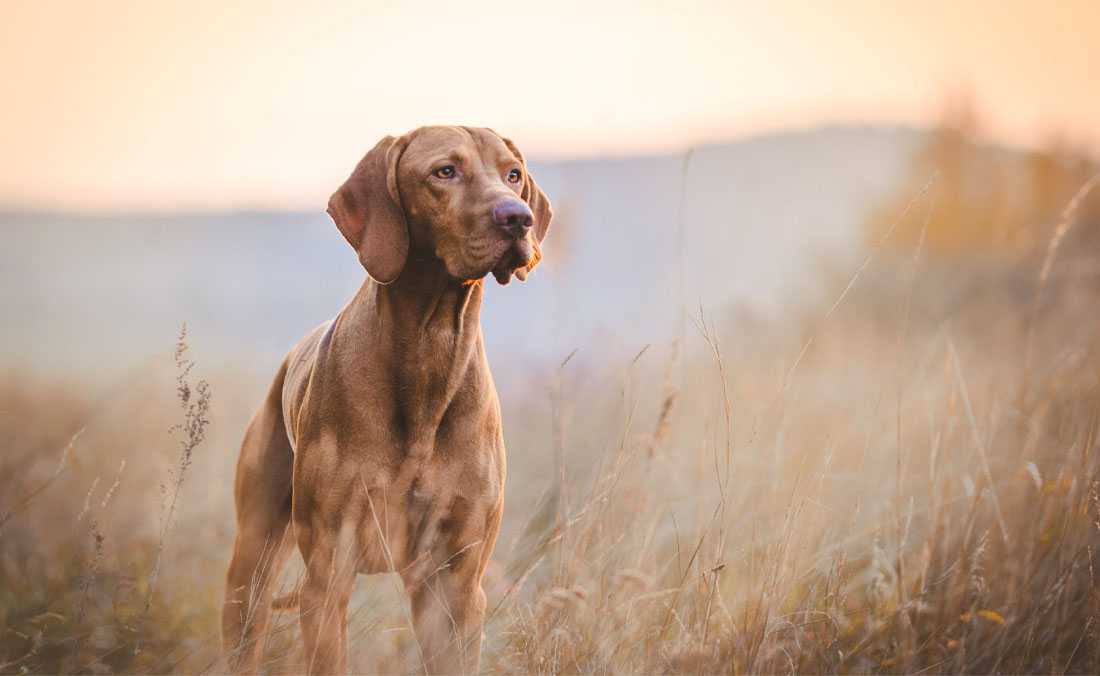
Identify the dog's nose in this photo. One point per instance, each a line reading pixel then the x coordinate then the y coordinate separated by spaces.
pixel 514 216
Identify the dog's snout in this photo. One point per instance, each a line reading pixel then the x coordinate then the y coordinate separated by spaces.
pixel 514 216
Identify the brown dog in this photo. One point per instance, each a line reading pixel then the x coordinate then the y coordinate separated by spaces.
pixel 380 439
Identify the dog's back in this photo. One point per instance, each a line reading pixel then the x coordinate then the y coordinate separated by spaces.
pixel 299 366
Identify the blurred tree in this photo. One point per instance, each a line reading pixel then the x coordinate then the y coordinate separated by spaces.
pixel 987 199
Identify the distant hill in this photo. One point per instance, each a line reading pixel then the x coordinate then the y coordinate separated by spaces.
pixel 99 292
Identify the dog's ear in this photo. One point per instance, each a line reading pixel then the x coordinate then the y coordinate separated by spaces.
pixel 367 210
pixel 533 195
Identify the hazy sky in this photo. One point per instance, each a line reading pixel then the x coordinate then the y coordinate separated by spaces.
pixel 109 103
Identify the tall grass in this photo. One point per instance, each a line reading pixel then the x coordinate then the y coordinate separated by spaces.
pixel 903 481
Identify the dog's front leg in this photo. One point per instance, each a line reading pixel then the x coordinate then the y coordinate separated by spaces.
pixel 448 601
pixel 330 576
pixel 448 611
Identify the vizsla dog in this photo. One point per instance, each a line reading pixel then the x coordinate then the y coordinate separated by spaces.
pixel 379 446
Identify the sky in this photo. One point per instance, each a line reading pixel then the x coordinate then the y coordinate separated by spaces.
pixel 119 104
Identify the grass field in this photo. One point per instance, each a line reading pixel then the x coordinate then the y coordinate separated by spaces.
pixel 900 477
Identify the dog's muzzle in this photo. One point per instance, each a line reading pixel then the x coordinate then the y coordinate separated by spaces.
pixel 515 219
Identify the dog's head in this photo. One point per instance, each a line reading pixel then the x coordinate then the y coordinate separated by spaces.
pixel 458 194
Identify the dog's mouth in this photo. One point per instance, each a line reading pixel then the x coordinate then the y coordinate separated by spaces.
pixel 519 259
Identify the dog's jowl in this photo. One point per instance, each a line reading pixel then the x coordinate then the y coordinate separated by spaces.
pixel 379 446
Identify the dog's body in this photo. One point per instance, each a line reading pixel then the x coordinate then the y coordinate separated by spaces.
pixel 380 441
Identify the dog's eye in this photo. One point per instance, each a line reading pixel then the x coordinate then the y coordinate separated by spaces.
pixel 514 176
pixel 444 172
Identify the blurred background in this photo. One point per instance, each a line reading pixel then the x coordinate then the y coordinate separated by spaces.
pixel 847 254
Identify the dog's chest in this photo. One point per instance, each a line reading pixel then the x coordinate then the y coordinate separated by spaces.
pixel 425 513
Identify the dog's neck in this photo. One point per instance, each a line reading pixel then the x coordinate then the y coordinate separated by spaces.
pixel 423 304
pixel 421 337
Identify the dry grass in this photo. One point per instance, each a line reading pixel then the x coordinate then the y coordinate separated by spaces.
pixel 885 485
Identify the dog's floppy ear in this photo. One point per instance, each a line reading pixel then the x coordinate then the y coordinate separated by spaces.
pixel 367 210
pixel 533 195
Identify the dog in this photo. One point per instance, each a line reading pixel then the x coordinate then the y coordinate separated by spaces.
pixel 379 446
